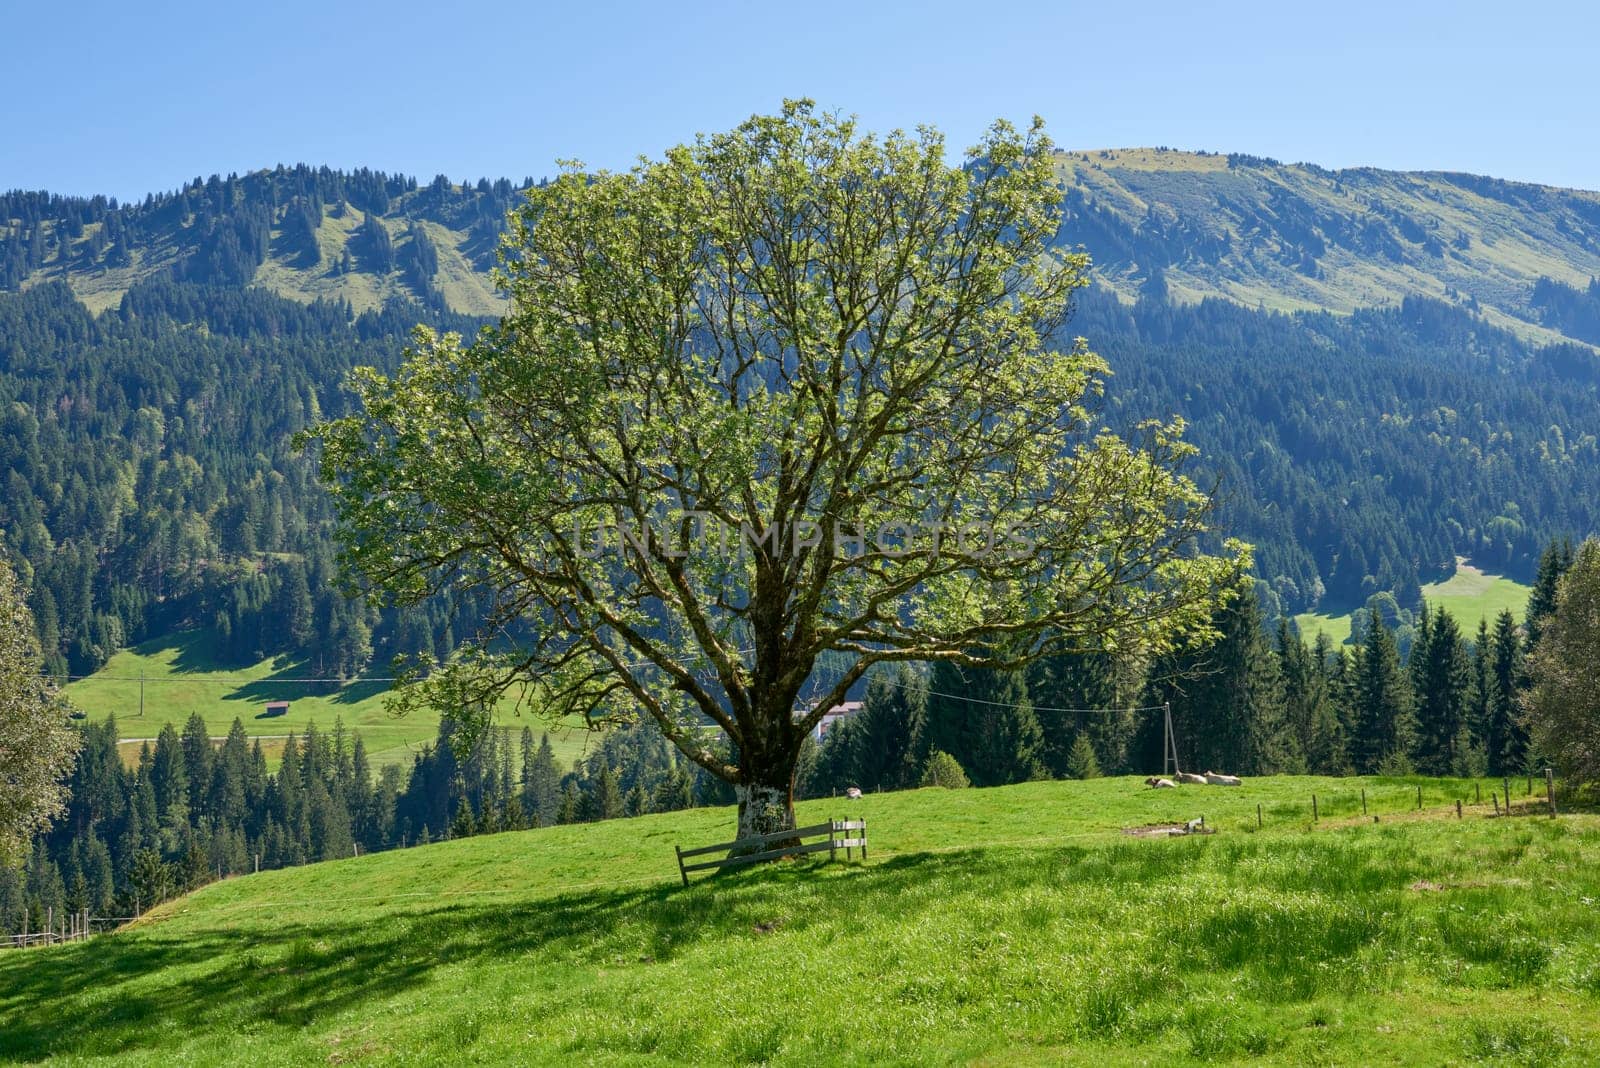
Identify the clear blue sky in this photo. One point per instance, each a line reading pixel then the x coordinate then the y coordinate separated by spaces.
pixel 130 98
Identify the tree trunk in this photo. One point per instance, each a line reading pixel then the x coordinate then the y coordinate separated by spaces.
pixel 766 795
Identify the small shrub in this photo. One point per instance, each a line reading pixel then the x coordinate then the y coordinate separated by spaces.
pixel 1081 762
pixel 1397 765
pixel 942 769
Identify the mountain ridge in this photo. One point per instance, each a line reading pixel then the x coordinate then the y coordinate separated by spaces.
pixel 1300 237
pixel 1186 225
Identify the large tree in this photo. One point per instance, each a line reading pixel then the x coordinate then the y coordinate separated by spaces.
pixel 37 741
pixel 1564 704
pixel 789 391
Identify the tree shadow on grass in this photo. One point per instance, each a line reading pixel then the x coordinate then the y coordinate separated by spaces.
pixel 152 989
pixel 196 651
pixel 286 684
pixel 134 991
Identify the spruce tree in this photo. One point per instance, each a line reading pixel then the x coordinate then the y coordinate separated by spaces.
pixel 198 758
pixel 1308 704
pixel 571 807
pixel 636 803
pixel 1506 740
pixel 985 720
pixel 1478 701
pixel 675 792
pixel 1442 676
pixel 1227 697
pixel 463 825
pixel 840 757
pixel 1077 694
pixel 607 798
pixel 541 786
pixel 893 707
pixel 170 781
pixel 1081 761
pixel 1384 724
pixel 1553 563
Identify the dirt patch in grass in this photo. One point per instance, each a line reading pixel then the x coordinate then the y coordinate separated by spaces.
pixel 1168 830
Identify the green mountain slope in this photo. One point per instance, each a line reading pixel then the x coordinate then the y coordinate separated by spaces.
pixel 1284 237
pixel 1296 238
pixel 297 232
pixel 1016 925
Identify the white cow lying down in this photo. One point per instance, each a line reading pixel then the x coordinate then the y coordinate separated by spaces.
pixel 1191 779
pixel 1222 780
pixel 1160 784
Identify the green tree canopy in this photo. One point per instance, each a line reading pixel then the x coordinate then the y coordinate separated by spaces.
pixel 37 741
pixel 1564 705
pixel 790 390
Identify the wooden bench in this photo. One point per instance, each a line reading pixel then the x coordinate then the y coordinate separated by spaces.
pixel 847 835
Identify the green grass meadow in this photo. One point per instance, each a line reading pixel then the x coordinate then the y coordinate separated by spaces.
pixel 1469 595
pixel 997 927
pixel 182 676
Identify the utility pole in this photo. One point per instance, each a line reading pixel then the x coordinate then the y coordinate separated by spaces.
pixel 1169 741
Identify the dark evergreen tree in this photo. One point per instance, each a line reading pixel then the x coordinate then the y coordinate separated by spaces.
pixel 1077 696
pixel 1442 675
pixel 197 765
pixel 1381 694
pixel 607 797
pixel 1553 563
pixel 985 720
pixel 1227 697
pixel 541 782
pixel 463 825
pixel 1506 739
pixel 1310 705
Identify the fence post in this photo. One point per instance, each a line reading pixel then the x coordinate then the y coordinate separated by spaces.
pixel 1258 816
pixel 1313 808
pixel 1458 808
pixel 1419 799
pixel 1550 789
pixel 49 924
pixel 833 836
pixel 1496 799
pixel 1506 782
pixel 1363 800
pixel 679 850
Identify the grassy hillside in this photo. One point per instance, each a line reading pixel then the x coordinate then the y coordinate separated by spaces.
pixel 1469 595
pixel 1000 926
pixel 1303 237
pixel 183 676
